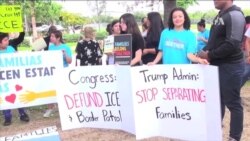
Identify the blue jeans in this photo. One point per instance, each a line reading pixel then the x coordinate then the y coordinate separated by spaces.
pixel 246 74
pixel 8 115
pixel 230 76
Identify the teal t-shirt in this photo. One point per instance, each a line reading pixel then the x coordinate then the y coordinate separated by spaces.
pixel 201 44
pixel 9 49
pixel 62 47
pixel 175 45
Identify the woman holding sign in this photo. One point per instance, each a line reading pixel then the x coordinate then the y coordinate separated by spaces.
pixel 113 31
pixel 58 44
pixel 155 27
pixel 177 43
pixel 130 26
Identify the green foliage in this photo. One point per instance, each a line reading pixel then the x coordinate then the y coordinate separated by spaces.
pixel 74 19
pixel 207 15
pixel 25 43
pixel 101 34
pixel 246 12
pixel 71 37
pixel 185 3
pixel 103 19
pixel 139 16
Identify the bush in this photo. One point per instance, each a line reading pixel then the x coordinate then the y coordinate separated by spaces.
pixel 71 37
pixel 25 43
pixel 101 34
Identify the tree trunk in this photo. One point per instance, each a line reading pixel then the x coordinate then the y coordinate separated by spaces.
pixel 33 19
pixel 169 5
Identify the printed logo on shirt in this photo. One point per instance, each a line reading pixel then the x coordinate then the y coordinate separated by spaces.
pixel 174 44
pixel 219 21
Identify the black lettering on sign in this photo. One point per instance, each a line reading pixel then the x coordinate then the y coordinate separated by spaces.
pixel 112 98
pixel 109 116
pixel 153 77
pixel 175 114
pixel 86 118
pixel 181 76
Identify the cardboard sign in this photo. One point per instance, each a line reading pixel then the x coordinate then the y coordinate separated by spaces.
pixel 28 79
pixel 44 134
pixel 11 18
pixel 177 101
pixel 123 49
pixel 39 44
pixel 94 99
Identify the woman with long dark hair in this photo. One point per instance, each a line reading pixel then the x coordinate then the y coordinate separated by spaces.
pixel 129 26
pixel 155 27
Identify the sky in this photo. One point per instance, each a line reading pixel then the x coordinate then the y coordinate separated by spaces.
pixel 117 8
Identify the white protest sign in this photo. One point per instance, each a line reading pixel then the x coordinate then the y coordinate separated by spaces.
pixel 44 134
pixel 109 44
pixel 28 79
pixel 177 101
pixel 90 96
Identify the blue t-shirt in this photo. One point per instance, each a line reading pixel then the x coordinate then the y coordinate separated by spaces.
pixel 202 44
pixel 176 45
pixel 9 49
pixel 62 47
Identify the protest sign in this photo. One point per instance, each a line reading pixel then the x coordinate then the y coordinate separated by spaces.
pixel 88 97
pixel 11 18
pixel 109 44
pixel 28 79
pixel 44 134
pixel 177 101
pixel 123 49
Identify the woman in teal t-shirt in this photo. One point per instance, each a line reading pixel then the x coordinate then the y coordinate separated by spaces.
pixel 177 43
pixel 58 44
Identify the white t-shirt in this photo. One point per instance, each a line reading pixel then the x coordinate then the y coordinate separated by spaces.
pixel 247 34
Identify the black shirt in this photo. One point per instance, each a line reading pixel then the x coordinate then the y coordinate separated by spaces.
pixel 88 52
pixel 15 42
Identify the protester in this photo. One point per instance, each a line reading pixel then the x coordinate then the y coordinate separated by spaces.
pixel 52 28
pixel 155 27
pixel 177 43
pixel 114 30
pixel 130 26
pixel 224 50
pixel 58 44
pixel 6 48
pixel 144 27
pixel 88 50
pixel 246 48
pixel 203 35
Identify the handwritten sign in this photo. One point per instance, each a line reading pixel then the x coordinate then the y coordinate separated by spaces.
pixel 28 79
pixel 11 18
pixel 177 101
pixel 123 49
pixel 88 97
pixel 44 134
pixel 109 44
